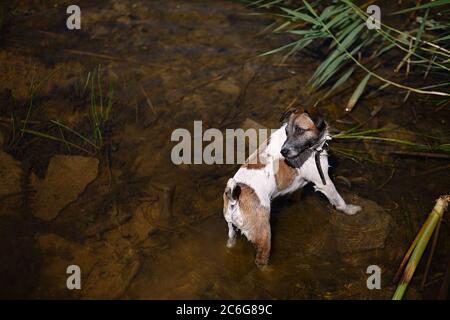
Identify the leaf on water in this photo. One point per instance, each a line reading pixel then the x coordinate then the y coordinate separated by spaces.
pixel 357 93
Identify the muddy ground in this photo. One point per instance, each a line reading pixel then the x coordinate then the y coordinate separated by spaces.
pixel 141 227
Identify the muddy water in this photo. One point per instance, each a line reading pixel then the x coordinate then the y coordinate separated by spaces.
pixel 170 63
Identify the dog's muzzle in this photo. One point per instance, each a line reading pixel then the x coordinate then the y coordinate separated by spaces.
pixel 289 153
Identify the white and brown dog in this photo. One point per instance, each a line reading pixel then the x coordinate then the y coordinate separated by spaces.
pixel 293 156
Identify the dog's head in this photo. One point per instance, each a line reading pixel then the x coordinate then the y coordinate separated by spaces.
pixel 303 130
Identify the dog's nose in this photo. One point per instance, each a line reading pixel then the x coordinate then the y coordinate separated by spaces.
pixel 288 152
pixel 285 152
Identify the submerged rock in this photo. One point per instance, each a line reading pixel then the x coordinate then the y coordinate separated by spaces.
pixel 66 179
pixel 110 279
pixel 104 275
pixel 366 230
pixel 136 230
pixel 113 219
pixel 227 86
pixel 57 254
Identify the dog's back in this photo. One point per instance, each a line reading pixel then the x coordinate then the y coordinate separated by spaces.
pixel 266 172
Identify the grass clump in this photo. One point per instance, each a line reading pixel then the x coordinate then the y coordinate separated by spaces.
pixel 352 50
pixel 100 110
pixel 435 149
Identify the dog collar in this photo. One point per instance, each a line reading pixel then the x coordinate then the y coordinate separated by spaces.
pixel 315 150
pixel 318 148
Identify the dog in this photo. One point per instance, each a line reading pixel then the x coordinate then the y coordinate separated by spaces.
pixel 293 156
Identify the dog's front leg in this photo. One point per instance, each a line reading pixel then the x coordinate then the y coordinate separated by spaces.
pixel 329 190
pixel 231 236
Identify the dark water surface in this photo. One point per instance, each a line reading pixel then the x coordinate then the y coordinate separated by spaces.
pixel 195 60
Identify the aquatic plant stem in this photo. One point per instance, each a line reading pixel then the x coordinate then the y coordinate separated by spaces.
pixel 430 256
pixel 420 243
pixel 408 254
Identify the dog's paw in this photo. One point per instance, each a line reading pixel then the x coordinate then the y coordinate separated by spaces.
pixel 231 242
pixel 265 268
pixel 352 209
pixel 261 263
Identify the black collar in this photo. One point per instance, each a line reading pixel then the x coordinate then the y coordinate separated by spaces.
pixel 319 167
pixel 318 147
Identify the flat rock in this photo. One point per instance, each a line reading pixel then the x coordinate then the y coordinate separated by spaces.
pixel 104 275
pixel 228 86
pixel 110 279
pixel 113 219
pixel 137 229
pixel 366 230
pixel 57 254
pixel 66 179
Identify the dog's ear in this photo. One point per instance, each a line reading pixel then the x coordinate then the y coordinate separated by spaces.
pixel 233 192
pixel 236 193
pixel 319 122
pixel 286 114
pixel 317 118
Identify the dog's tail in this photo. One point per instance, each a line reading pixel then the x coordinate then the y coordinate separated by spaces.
pixel 232 191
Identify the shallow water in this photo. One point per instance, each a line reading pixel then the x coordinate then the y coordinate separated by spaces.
pixel 196 61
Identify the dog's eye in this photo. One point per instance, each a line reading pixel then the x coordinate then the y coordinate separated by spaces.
pixel 299 130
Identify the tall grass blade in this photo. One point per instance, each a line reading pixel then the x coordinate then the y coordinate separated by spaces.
pixel 357 93
pixel 433 4
pixel 79 135
pixel 50 137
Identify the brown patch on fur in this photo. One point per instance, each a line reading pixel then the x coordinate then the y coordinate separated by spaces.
pixel 285 175
pixel 256 223
pixel 304 121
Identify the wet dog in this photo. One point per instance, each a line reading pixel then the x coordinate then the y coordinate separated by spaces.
pixel 293 156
